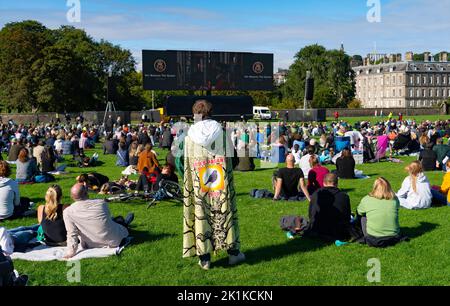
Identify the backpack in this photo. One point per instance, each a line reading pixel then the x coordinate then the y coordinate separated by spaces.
pixel 6 270
pixel 290 223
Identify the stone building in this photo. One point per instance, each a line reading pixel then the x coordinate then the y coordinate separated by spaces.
pixel 391 82
pixel 280 77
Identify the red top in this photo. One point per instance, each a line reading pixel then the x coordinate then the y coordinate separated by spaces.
pixel 316 176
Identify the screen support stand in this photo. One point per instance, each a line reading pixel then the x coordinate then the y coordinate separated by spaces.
pixel 109 109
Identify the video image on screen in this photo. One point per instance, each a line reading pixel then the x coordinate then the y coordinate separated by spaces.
pixel 201 70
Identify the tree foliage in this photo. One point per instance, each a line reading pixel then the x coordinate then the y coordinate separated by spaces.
pixel 62 70
pixel 333 76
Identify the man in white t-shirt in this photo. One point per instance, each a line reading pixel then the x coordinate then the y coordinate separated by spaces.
pixel 304 161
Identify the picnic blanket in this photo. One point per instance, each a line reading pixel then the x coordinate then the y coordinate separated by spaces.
pixel 46 253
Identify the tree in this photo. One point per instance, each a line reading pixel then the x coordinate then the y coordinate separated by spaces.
pixel 21 44
pixel 62 70
pixel 355 103
pixel 333 76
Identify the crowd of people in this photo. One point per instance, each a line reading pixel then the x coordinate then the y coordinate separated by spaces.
pixel 306 149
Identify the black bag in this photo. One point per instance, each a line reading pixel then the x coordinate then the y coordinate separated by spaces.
pixel 294 224
pixel 6 270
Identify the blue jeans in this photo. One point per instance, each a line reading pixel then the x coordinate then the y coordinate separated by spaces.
pixel 440 197
pixel 22 235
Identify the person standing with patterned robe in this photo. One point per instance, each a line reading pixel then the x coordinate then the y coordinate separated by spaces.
pixel 210 210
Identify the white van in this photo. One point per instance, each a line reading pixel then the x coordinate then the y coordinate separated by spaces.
pixel 261 112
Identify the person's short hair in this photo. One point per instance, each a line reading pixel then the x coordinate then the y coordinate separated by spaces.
pixel 5 169
pixel 330 179
pixel 310 150
pixel 203 108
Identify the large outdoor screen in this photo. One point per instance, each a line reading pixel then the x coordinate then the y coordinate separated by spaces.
pixel 201 70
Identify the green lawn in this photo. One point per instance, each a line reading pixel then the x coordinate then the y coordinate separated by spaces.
pixel 155 258
pixel 374 119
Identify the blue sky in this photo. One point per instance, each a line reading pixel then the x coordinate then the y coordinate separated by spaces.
pixel 281 27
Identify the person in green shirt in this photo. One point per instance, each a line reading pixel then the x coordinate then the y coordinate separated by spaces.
pixel 379 215
pixel 441 150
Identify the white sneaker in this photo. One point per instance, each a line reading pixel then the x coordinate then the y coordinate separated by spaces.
pixel 205 265
pixel 234 260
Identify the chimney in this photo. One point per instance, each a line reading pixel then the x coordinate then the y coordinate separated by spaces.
pixel 399 57
pixel 443 57
pixel 409 56
pixel 366 61
pixel 426 56
pixel 392 58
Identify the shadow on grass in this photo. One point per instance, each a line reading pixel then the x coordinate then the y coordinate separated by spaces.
pixel 415 232
pixel 347 190
pixel 268 253
pixel 141 237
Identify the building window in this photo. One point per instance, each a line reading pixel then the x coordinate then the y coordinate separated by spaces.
pixel 424 93
pixel 418 80
pixel 438 80
pixel 437 92
pixel 411 80
pixel 431 92
pixel 393 92
pixel 444 80
pixel 431 80
pixel 411 93
pixel 424 80
pixel 418 93
pixel 400 80
pixel 393 79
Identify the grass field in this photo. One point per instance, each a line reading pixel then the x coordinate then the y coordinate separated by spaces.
pixel 154 258
pixel 374 119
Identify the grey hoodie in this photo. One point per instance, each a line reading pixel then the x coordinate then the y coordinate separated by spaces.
pixel 9 197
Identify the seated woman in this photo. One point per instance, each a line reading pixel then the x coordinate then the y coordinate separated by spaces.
pixel 245 161
pixel 428 158
pixel 26 167
pixel 48 160
pixel 316 174
pixel 147 159
pixel 345 165
pixel 50 217
pixel 441 194
pixel 11 205
pixel 122 155
pixel 415 192
pixel 133 154
pixel 379 215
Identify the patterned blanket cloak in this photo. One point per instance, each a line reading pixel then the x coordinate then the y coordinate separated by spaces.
pixel 210 212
